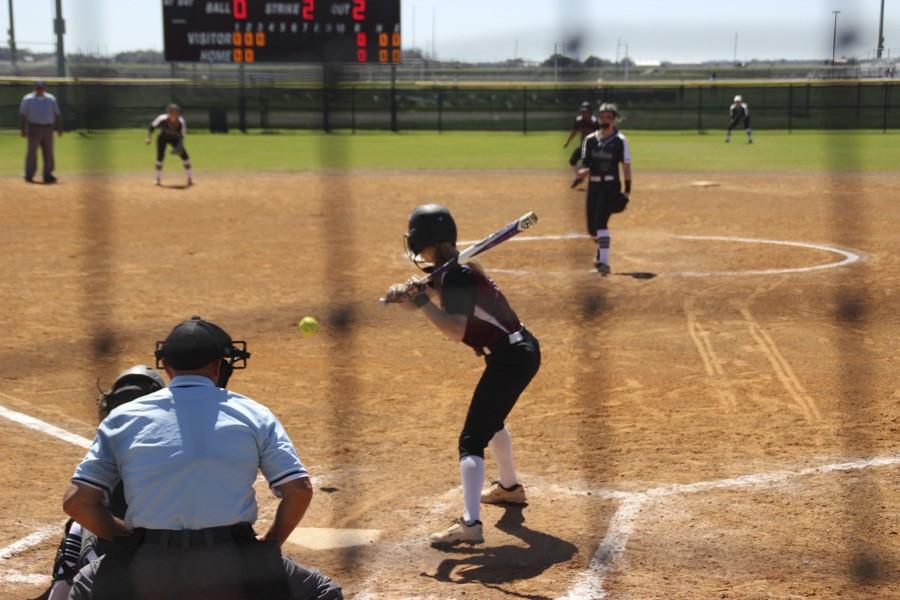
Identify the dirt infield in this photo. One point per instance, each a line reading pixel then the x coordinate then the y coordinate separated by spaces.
pixel 699 362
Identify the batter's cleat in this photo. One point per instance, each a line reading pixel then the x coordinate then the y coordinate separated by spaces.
pixel 458 533
pixel 497 494
pixel 190 182
pixel 50 179
pixel 602 268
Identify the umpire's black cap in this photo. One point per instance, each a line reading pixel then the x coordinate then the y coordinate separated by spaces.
pixel 195 343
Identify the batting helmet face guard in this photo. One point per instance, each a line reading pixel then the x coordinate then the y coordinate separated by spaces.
pixel 195 343
pixel 429 225
pixel 131 384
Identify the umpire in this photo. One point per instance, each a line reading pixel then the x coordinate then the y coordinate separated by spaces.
pixel 188 456
pixel 39 116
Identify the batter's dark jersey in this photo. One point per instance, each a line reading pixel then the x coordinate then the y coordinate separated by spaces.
pixel 468 292
pixel 603 155
pixel 172 132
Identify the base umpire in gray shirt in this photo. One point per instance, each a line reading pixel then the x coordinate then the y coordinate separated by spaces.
pixel 39 116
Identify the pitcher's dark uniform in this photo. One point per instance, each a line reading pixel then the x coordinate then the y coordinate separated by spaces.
pixel 602 155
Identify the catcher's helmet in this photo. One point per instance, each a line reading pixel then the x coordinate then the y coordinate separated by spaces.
pixel 608 107
pixel 429 224
pixel 195 343
pixel 132 383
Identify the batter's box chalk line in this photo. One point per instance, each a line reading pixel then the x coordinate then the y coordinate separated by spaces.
pixel 590 584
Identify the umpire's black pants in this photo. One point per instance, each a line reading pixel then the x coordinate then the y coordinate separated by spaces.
pixel 196 573
pixel 508 370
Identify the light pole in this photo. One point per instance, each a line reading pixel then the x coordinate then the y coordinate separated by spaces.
pixel 880 50
pixel 59 26
pixel 12 40
pixel 834 37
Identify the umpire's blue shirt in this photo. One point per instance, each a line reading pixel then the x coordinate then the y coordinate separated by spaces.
pixel 39 110
pixel 188 456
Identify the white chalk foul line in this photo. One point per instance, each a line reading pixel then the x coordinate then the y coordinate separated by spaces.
pixel 38 425
pixel 590 585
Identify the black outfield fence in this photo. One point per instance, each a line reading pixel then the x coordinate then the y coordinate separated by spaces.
pixel 796 105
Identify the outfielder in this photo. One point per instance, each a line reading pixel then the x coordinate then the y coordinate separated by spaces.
pixel 172 130
pixel 739 112
pixel 472 310
pixel 601 154
pixel 585 124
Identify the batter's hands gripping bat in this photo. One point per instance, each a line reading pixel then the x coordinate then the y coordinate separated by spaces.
pixel 526 221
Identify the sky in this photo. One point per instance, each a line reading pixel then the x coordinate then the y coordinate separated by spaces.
pixel 489 30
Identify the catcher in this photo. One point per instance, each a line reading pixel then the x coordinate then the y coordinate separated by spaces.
pixel 79 546
pixel 472 310
pixel 172 129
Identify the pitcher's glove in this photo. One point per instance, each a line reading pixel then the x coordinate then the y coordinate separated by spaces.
pixel 412 290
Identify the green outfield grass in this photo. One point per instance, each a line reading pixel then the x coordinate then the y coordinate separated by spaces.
pixel 123 151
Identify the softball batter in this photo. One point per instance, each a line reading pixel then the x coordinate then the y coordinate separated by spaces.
pixel 172 129
pixel 472 310
pixel 601 154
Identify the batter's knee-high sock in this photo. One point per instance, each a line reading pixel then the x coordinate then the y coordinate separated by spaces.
pixel 159 166
pixel 501 446
pixel 471 470
pixel 603 242
pixel 187 169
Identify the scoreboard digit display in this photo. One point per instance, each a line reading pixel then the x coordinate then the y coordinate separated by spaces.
pixel 251 31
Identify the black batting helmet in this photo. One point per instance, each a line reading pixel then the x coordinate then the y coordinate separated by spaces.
pixel 430 224
pixel 131 383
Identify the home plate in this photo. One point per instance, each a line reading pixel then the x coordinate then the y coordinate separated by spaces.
pixel 705 184
pixel 323 538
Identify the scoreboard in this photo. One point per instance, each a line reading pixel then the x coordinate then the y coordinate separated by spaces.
pixel 251 31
